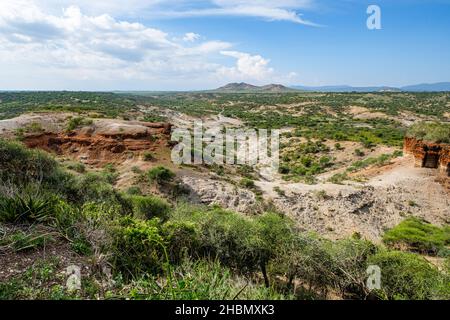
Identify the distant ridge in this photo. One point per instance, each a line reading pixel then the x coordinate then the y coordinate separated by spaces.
pixel 426 87
pixel 347 89
pixel 246 87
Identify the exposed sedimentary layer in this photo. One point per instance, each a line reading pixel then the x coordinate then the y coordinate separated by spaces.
pixel 429 154
pixel 104 141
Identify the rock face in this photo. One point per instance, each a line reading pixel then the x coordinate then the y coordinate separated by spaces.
pixel 210 192
pixel 429 155
pixel 105 141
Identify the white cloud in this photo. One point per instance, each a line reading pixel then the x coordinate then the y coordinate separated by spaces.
pixel 281 10
pixel 247 66
pixel 191 37
pixel 41 49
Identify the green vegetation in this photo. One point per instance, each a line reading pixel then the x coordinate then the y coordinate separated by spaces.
pixel 165 248
pixel 420 236
pixel 107 104
pixel 159 250
pixel 160 174
pixel 76 122
pixel 430 131
pixel 148 156
pixel 147 207
pixel 379 161
pixel 247 183
pixel 407 276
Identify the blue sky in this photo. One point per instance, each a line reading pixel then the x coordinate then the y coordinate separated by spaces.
pixel 202 44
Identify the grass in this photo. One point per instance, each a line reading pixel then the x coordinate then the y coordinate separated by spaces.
pixel 418 235
pixel 430 131
pixel 76 122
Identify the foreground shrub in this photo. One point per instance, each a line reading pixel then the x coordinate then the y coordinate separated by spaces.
pixel 20 166
pixel 19 209
pixel 202 279
pixel 239 242
pixel 407 276
pixel 94 187
pixel 138 247
pixel 183 239
pixel 160 174
pixel 323 265
pixel 147 207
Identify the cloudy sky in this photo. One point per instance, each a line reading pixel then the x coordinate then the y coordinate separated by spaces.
pixel 201 44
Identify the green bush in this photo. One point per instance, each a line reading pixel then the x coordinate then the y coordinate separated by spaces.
pixel 19 209
pixel 24 241
pixel 407 276
pixel 148 156
pixel 76 122
pixel 183 239
pixel 430 131
pixel 203 279
pixel 147 207
pixel 77 167
pixel 134 191
pixel 247 183
pixel 19 165
pixel 418 235
pixel 138 247
pixel 94 186
pixel 160 175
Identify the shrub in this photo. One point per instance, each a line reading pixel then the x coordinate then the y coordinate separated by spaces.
pixel 338 178
pixel 160 174
pixel 338 146
pixel 407 276
pixel 147 207
pixel 183 238
pixel 24 241
pixel 77 167
pixel 134 191
pixel 94 187
pixel 138 247
pixel 20 166
pixel 25 209
pixel 76 122
pixel 359 153
pixel 148 156
pixel 247 183
pixel 418 235
pixel 430 131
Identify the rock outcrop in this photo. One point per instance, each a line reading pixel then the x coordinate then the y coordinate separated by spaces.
pixel 104 141
pixel 429 154
pixel 214 192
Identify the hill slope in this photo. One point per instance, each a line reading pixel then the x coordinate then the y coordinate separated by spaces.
pixel 246 87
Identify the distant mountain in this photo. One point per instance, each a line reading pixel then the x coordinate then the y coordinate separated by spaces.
pixel 347 89
pixel 245 87
pixel 428 87
pixel 237 87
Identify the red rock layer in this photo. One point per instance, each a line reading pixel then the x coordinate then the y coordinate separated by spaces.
pixel 99 148
pixel 423 150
